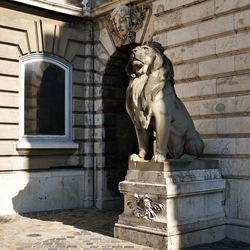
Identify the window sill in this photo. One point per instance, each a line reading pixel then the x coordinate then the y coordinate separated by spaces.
pixel 46 145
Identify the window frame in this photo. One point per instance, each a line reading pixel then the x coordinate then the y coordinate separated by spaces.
pixel 46 141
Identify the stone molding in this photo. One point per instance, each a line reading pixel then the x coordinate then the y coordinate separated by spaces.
pixel 106 8
pixel 57 7
pixel 72 10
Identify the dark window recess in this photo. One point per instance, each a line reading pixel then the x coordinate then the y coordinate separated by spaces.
pixel 44 99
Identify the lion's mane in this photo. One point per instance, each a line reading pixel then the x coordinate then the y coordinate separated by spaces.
pixel 143 89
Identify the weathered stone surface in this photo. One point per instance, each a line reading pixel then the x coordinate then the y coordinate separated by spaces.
pixel 9 115
pixel 82 77
pixel 7 148
pixel 237 231
pixel 218 26
pixel 173 165
pixel 82 133
pixel 242 62
pixel 192 52
pixel 225 105
pixel 228 44
pixel 200 11
pixel 242 20
pixel 104 37
pixel 9 52
pixel 219 146
pixel 197 31
pixel 183 16
pixel 216 66
pixel 196 88
pixel 9 67
pixel 187 71
pixel 224 6
pixel 83 119
pixel 206 126
pixel 231 84
pixel 42 191
pixel 235 168
pixel 182 35
pixel 8 83
pixel 165 5
pixel 237 125
pixel 237 206
pixel 9 131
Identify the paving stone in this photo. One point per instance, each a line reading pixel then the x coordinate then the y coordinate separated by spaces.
pixel 76 229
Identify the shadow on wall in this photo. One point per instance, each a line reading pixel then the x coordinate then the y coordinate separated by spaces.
pixel 120 138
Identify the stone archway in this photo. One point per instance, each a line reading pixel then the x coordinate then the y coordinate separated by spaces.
pixel 119 139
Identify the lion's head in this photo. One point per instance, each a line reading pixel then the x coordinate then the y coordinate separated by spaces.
pixel 144 60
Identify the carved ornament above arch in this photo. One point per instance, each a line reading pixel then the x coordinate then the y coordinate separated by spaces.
pixel 125 24
pixel 128 23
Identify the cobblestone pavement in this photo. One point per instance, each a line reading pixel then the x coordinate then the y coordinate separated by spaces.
pixel 75 229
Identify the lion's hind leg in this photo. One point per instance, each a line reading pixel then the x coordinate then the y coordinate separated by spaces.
pixel 175 146
pixel 194 145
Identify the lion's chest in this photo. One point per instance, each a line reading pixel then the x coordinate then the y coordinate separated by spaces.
pixel 140 96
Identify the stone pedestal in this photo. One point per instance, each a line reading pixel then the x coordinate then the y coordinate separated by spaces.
pixel 172 205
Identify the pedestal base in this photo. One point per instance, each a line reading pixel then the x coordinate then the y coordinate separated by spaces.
pixel 172 205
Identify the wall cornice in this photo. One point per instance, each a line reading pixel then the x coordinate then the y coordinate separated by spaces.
pixel 56 7
pixel 108 7
pixel 72 10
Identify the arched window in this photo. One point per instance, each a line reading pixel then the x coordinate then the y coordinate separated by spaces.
pixel 45 102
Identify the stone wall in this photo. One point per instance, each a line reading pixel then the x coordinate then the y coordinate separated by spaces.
pixel 209 44
pixel 25 31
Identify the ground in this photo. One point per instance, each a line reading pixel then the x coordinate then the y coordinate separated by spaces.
pixel 75 229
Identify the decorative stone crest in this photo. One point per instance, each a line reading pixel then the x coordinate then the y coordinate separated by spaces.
pixel 144 207
pixel 125 22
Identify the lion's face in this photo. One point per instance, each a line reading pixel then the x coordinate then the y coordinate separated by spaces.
pixel 144 57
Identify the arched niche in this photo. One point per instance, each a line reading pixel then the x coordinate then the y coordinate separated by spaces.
pixel 120 138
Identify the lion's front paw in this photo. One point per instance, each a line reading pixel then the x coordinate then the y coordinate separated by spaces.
pixel 135 157
pixel 158 158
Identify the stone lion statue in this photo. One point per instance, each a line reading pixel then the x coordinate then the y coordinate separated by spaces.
pixel 152 103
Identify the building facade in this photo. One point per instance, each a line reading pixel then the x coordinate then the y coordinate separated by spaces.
pixel 61 64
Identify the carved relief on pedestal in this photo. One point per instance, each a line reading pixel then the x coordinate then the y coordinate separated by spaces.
pixel 144 207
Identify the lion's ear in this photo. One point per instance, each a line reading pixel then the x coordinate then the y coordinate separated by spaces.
pixel 158 62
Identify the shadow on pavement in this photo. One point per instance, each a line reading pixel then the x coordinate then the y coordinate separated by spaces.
pixel 94 220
